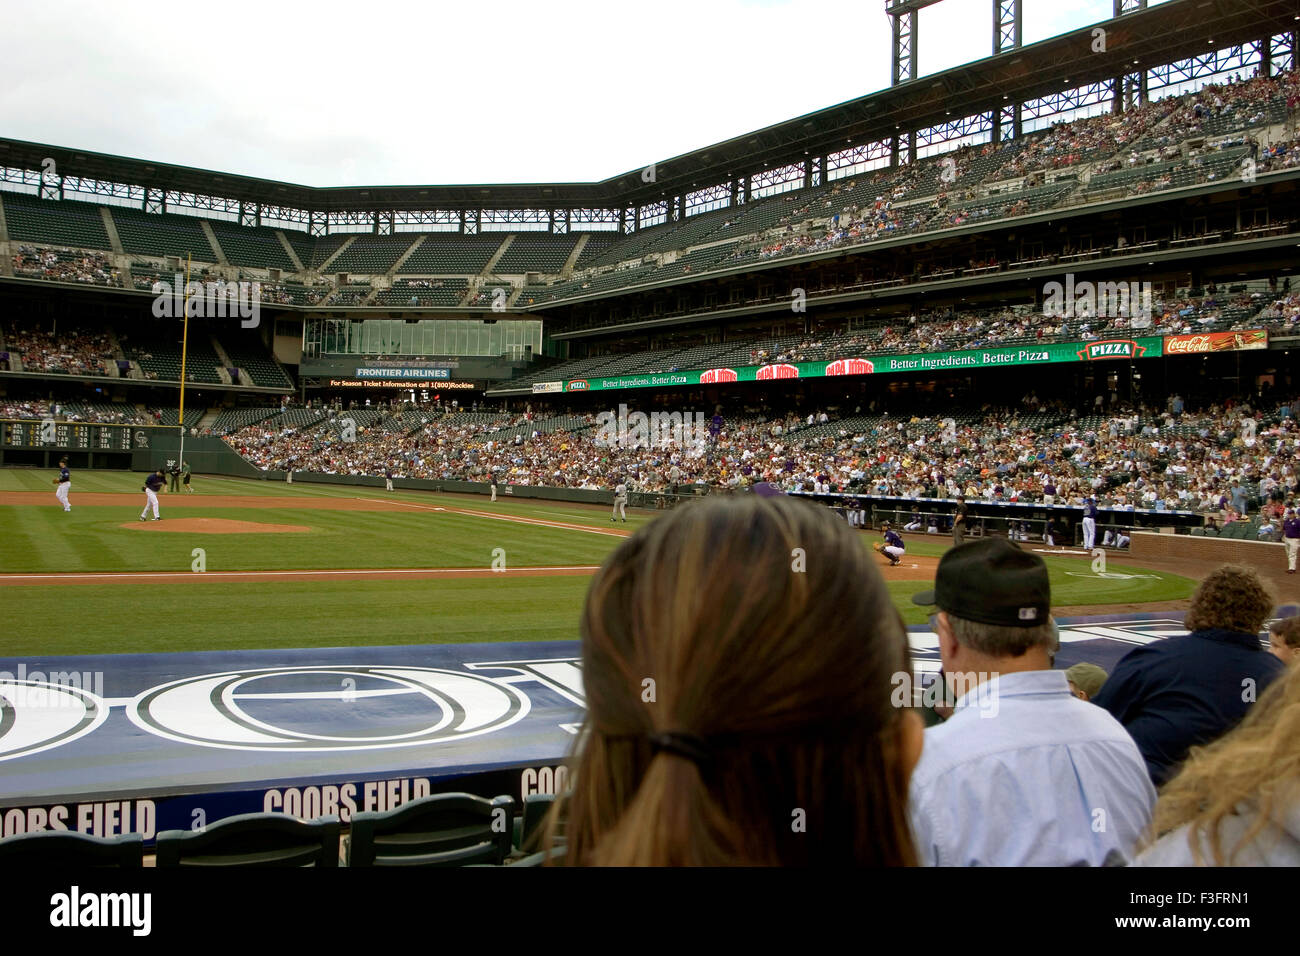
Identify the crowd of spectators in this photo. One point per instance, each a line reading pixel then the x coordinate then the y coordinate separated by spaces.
pixel 949 330
pixel 70 351
pixel 350 296
pixel 276 294
pixel 65 265
pixel 1152 132
pixel 1222 460
pixel 1236 103
pixel 102 414
pixel 416 287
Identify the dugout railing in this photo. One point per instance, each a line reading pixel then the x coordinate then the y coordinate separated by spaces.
pixel 1029 519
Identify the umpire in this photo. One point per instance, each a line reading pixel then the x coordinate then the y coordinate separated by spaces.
pixel 959 521
pixel 175 476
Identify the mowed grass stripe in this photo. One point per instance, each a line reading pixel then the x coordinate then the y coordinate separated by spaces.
pixel 93 539
pixel 126 484
pixel 144 617
pixel 50 536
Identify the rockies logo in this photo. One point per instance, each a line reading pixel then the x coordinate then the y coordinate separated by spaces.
pixel 369 708
pixel 39 715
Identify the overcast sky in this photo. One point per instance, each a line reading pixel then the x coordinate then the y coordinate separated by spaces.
pixel 488 91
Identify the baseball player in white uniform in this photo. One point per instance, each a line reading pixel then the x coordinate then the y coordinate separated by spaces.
pixel 64 484
pixel 1090 523
pixel 152 485
pixel 620 502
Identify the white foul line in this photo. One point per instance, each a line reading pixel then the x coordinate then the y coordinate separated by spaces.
pixel 141 575
pixel 517 519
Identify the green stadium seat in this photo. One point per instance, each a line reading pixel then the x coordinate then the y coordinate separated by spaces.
pixel 60 848
pixel 556 856
pixel 536 807
pixel 254 839
pixel 443 830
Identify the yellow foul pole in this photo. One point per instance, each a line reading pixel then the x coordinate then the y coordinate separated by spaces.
pixel 185 342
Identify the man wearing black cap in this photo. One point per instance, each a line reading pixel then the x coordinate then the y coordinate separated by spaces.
pixel 959 521
pixel 1023 773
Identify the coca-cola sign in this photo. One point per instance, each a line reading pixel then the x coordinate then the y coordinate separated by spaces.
pixel 1216 342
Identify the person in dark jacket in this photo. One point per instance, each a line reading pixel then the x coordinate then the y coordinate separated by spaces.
pixel 1181 692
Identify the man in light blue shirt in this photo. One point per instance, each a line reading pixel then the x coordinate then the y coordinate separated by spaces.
pixel 1023 773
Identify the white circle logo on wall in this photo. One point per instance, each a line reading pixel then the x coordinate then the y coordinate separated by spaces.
pixel 1112 575
pixel 39 715
pixel 326 708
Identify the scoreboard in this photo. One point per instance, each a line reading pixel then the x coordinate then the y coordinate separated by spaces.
pixel 74 436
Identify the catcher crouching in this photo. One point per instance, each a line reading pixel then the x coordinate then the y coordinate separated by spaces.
pixel 892 547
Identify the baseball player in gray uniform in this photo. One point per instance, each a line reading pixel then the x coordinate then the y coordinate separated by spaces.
pixel 620 502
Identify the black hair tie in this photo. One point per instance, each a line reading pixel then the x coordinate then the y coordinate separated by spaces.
pixel 693 748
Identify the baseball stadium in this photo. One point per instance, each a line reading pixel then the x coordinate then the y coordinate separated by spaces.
pixel 326 512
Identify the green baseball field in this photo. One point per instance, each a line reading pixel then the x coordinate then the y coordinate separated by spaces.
pixel 256 564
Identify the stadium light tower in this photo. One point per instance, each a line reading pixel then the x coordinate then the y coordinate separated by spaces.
pixel 1008 31
pixel 903 14
pixel 1008 28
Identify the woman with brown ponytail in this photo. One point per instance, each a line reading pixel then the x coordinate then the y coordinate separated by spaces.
pixel 739 659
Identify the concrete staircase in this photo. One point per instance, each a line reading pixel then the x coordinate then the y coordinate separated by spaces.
pixel 496 256
pixel 289 250
pixel 407 254
pixel 566 270
pixel 110 227
pixel 325 266
pixel 216 246
pixel 6 262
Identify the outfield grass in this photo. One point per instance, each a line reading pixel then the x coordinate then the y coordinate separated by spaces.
pixel 201 616
pixel 184 615
pixel 40 540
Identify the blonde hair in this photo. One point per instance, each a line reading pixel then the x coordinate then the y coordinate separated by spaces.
pixel 1257 764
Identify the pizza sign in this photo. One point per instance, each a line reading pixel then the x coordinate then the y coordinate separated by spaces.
pixel 1113 348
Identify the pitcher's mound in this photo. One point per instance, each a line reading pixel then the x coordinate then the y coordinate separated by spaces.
pixel 212 526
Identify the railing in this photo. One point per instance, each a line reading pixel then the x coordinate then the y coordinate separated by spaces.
pixel 1002 518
